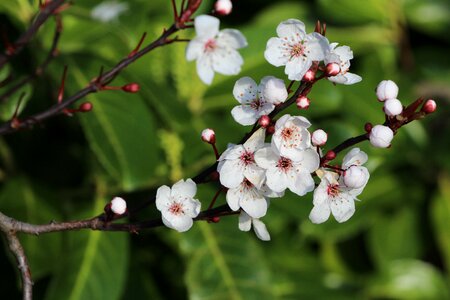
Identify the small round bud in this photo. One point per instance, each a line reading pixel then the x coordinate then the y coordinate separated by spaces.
pixel 332 69
pixel 209 136
pixel 85 107
pixel 368 127
pixel 319 137
pixel 302 102
pixel 215 219
pixel 214 176
pixel 274 91
pixel 387 89
pixel 330 155
pixel 270 129
pixel 429 106
pixel 223 7
pixel 381 136
pixel 309 76
pixel 355 177
pixel 264 121
pixel 118 206
pixel 131 88
pixel 393 107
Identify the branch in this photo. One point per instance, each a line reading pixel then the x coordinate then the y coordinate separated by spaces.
pixel 44 14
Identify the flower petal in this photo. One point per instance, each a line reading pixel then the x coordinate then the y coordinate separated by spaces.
pixel 297 67
pixel 342 207
pixel 231 38
pixel 194 49
pixel 231 173
pixel 191 207
pixel 310 160
pixel 354 157
pixel 181 223
pixel 351 78
pixel 234 197
pixel 245 90
pixel 183 188
pixel 301 184
pixel 256 141
pixel 276 180
pixel 261 230
pixel 204 69
pixel 245 221
pixel 319 214
pixel 254 174
pixel 290 28
pixel 266 158
pixel 317 46
pixel 254 203
pixel 226 61
pixel 206 26
pixel 244 115
pixel 275 53
pixel 163 198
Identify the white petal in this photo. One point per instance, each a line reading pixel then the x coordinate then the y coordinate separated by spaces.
pixel 191 207
pixel 231 38
pixel 344 52
pixel 297 67
pixel 342 207
pixel 181 223
pixel 245 90
pixel 256 141
pixel 163 198
pixel 291 27
pixel 339 79
pixel 317 46
pixel 233 197
pixel 261 230
pixel 194 49
pixel 204 69
pixel 244 115
pixel 231 174
pixel 254 174
pixel 183 188
pixel 310 160
pixel 232 152
pixel 319 214
pixel 266 158
pixel 245 221
pixel 254 204
pixel 352 78
pixel 206 26
pixel 354 157
pixel 282 122
pixel 274 52
pixel 276 180
pixel 226 61
pixel 301 184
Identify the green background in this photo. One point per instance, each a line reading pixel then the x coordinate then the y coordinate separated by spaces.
pixel 396 246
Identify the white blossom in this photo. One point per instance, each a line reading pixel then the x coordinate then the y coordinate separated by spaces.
pixel 291 136
pixel 238 162
pixel 354 157
pixel 223 7
pixel 249 198
pixel 355 175
pixel 214 50
pixel 177 204
pixel 108 11
pixel 256 101
pixel 319 137
pixel 118 206
pixel 295 49
pixel 381 136
pixel 282 172
pixel 246 222
pixel 387 89
pixel 341 55
pixel 208 136
pixel 393 107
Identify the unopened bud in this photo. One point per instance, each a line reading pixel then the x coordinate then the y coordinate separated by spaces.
pixel 118 206
pixel 209 136
pixel 393 107
pixel 274 90
pixel 270 129
pixel 381 136
pixel 330 155
pixel 332 69
pixel 355 177
pixel 223 7
pixel 302 102
pixel 264 121
pixel 429 106
pixel 215 219
pixel 131 88
pixel 309 76
pixel 319 137
pixel 368 127
pixel 387 89
pixel 85 107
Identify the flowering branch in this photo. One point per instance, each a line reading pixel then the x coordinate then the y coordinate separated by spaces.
pixel 45 12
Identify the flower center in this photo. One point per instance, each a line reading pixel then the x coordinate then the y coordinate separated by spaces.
pixel 247 157
pixel 291 136
pixel 176 209
pixel 256 104
pixel 298 50
pixel 210 45
pixel 247 184
pixel 333 190
pixel 284 164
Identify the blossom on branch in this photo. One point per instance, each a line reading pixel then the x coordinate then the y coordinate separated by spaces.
pixel 295 49
pixel 246 222
pixel 341 55
pixel 214 50
pixel 177 204
pixel 249 198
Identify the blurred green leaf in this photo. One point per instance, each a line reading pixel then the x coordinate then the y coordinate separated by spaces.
pixel 8 108
pixel 19 200
pixel 432 17
pixel 409 279
pixel 93 265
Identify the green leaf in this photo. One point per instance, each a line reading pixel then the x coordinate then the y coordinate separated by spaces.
pixel 440 215
pixel 409 279
pixel 387 231
pixel 8 108
pixel 19 200
pixel 121 133
pixel 93 266
pixel 224 263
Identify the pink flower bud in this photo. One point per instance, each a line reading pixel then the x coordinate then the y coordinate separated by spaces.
pixel 387 89
pixel 118 206
pixel 223 7
pixel 319 137
pixel 309 76
pixel 330 155
pixel 368 127
pixel 332 69
pixel 209 136
pixel 264 121
pixel 355 177
pixel 131 88
pixel 303 102
pixel 429 106
pixel 85 107
pixel 381 136
pixel 393 107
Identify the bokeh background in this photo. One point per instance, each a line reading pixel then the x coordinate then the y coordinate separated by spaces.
pixel 396 246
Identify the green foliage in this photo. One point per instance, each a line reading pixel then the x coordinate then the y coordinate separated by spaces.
pixel 397 244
